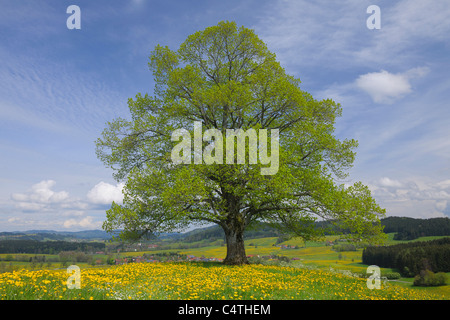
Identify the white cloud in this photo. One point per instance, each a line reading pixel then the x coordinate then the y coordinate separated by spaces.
pixel 42 192
pixel 385 87
pixel 41 198
pixel 105 193
pixel 86 222
pixel 40 195
pixel 444 184
pixel 386 182
pixel 43 207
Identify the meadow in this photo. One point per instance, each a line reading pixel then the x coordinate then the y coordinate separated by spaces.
pixel 319 273
pixel 192 281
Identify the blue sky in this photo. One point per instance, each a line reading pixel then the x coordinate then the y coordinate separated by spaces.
pixel 58 88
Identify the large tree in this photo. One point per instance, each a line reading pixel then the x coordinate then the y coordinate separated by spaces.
pixel 225 78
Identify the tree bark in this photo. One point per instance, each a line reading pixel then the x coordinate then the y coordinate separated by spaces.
pixel 235 246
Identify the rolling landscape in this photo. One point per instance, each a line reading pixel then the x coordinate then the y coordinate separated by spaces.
pixel 33 265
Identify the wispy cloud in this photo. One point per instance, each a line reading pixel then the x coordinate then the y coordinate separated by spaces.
pixel 408 29
pixel 36 20
pixel 333 35
pixel 307 33
pixel 387 182
pixel 54 93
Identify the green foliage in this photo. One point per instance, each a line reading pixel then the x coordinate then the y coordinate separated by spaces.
pixel 226 78
pixel 392 275
pixel 74 256
pixel 427 278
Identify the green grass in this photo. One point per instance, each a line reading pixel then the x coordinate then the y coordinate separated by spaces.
pixel 317 255
pixel 314 255
pixel 198 281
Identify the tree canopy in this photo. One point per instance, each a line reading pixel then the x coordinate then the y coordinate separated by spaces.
pixel 224 78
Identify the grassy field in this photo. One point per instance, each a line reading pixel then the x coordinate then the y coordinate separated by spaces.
pixel 171 281
pixel 317 274
pixel 316 255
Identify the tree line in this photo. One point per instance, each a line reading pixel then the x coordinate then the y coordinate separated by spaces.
pixel 411 258
pixel 60 260
pixel 410 228
pixel 48 247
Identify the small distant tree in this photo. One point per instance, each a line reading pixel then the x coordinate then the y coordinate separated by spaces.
pixel 225 78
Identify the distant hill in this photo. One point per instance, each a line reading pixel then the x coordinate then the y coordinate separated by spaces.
pixel 43 235
pixel 404 227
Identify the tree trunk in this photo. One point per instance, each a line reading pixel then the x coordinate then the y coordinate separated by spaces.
pixel 235 246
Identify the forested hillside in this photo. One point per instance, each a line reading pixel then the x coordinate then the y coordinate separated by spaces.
pixel 411 258
pixel 47 247
pixel 410 228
